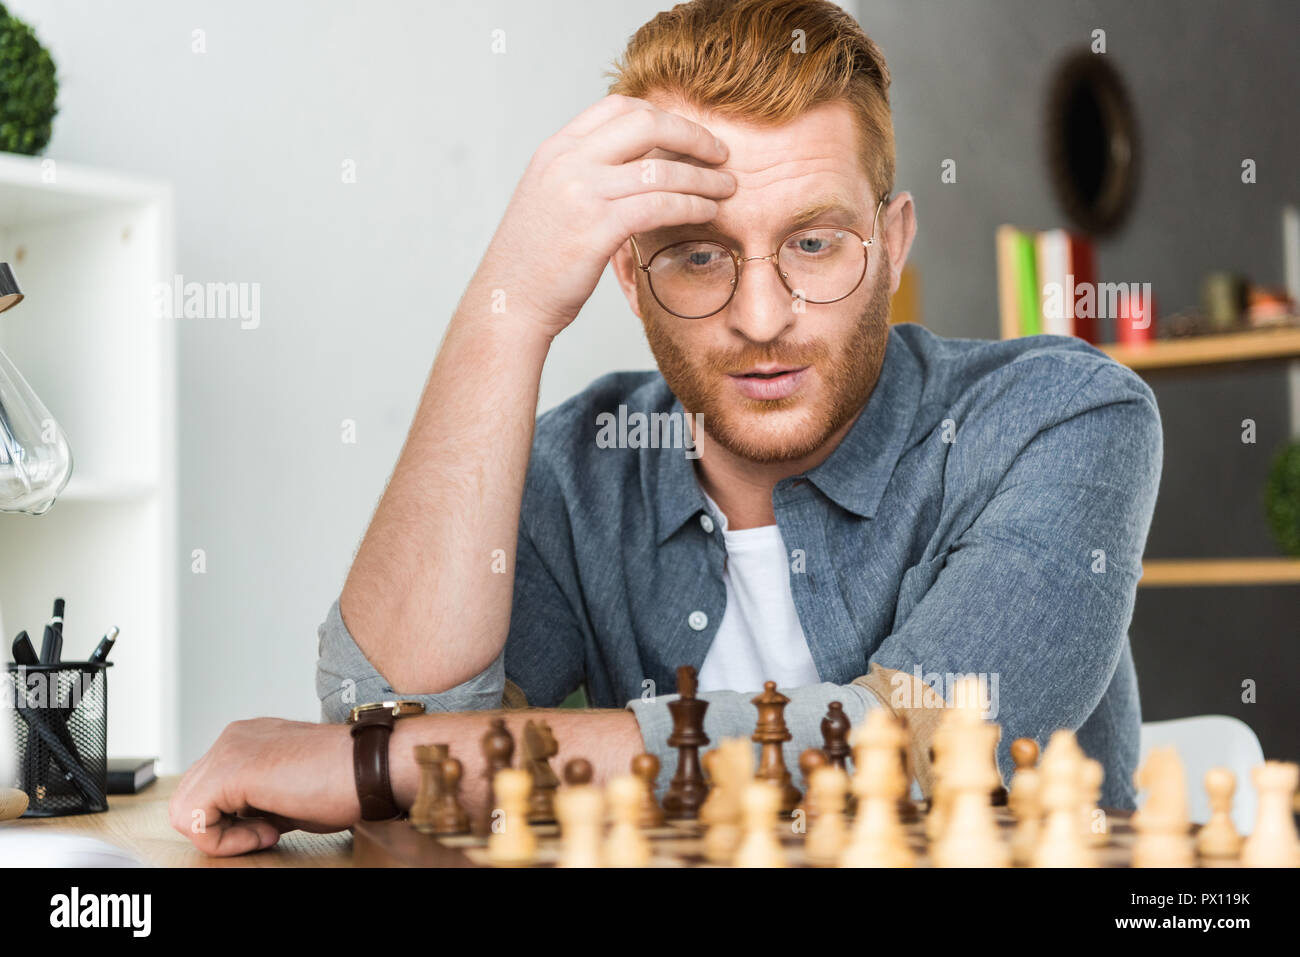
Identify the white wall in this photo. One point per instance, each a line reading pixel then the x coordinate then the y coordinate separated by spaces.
pixel 357 281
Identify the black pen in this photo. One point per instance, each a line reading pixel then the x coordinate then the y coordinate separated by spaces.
pixel 24 652
pixel 51 646
pixel 100 654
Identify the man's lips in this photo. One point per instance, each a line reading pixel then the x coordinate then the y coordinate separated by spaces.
pixel 766 382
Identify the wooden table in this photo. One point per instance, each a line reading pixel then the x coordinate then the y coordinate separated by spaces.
pixel 138 824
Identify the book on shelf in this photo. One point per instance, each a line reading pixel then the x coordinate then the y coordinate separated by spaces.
pixel 1039 274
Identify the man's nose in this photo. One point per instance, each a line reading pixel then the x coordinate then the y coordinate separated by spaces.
pixel 762 309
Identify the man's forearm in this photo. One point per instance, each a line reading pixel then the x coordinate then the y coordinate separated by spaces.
pixel 425 569
pixel 609 739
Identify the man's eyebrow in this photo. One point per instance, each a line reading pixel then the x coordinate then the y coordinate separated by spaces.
pixel 833 207
pixel 828 207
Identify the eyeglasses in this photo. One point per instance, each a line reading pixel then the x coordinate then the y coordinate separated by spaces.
pixel 696 278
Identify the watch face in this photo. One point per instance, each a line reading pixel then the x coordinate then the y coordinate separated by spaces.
pixel 399 709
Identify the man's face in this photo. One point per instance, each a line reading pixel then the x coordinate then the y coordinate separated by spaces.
pixel 774 378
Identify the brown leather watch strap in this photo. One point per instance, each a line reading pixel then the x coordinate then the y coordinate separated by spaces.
pixel 370 735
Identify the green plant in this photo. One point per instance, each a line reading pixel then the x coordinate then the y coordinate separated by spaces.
pixel 28 87
pixel 1282 498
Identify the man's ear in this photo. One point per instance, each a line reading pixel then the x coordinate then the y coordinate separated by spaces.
pixel 626 272
pixel 900 230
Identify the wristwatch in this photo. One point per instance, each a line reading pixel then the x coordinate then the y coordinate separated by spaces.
pixel 372 726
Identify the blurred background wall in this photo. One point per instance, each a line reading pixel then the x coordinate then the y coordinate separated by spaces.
pixel 358 279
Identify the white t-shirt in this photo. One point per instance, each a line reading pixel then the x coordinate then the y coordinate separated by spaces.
pixel 760 638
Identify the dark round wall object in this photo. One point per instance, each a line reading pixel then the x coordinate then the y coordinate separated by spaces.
pixel 1092 142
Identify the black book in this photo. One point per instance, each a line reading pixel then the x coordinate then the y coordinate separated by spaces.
pixel 130 775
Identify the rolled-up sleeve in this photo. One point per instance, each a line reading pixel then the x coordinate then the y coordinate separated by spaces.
pixel 345 678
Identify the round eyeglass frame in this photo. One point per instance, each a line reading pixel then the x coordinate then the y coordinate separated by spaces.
pixel 773 257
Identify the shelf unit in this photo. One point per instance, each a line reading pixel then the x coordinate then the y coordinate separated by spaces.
pixel 1277 344
pixel 88 248
pixel 1280 343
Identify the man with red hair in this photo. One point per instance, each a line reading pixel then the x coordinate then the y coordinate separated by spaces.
pixel 801 493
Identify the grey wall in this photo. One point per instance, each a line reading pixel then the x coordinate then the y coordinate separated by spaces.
pixel 1211 83
pixel 358 280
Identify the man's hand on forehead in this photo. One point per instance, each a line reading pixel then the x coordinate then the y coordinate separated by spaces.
pixel 621 167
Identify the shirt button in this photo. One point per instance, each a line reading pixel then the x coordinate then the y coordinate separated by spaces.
pixel 697 620
pixel 706 523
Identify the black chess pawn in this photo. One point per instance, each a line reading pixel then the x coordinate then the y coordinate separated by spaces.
pixel 835 736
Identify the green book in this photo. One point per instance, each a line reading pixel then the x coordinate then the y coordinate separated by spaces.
pixel 1027 295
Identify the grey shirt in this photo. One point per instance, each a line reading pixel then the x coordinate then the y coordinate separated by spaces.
pixel 985 514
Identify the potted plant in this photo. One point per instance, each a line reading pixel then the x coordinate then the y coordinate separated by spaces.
pixel 1282 498
pixel 28 88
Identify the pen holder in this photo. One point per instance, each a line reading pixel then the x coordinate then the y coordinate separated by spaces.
pixel 60 717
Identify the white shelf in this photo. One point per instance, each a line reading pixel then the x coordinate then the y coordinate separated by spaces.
pixel 88 248
pixel 107 490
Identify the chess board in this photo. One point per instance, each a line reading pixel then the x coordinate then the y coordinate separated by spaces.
pixel 676 844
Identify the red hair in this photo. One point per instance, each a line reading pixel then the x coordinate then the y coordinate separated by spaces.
pixel 766 62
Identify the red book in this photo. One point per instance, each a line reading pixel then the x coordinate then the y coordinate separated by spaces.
pixel 1136 323
pixel 1083 267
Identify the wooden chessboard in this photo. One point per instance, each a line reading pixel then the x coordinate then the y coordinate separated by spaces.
pixel 676 844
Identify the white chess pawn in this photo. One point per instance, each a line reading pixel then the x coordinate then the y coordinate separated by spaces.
pixel 626 846
pixel 731 768
pixel 1219 837
pixel 580 810
pixel 760 847
pixel 1096 828
pixel 879 780
pixel 970 837
pixel 1061 843
pixel 512 842
pixel 1024 800
pixel 827 790
pixel 1274 842
pixel 1162 824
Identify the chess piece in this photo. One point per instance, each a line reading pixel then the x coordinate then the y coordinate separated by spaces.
pixel 449 816
pixel 580 810
pixel 626 846
pixel 1024 800
pixel 771 732
pixel 878 838
pixel 1274 842
pixel 577 772
pixel 1162 824
pixel 1096 828
pixel 828 787
pixel 908 812
pixel 511 842
pixel 539 747
pixel 731 766
pixel 760 847
pixel 709 764
pixel 688 789
pixel 646 769
pixel 498 747
pixel 428 761
pixel 835 736
pixel 1219 837
pixel 1061 843
pixel 970 836
pixel 938 816
pixel 810 761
